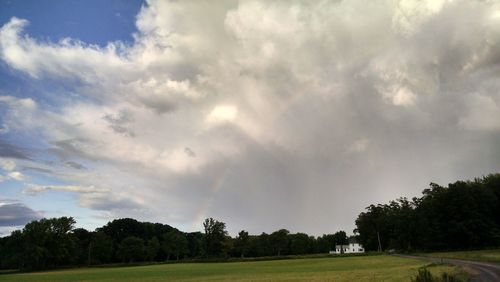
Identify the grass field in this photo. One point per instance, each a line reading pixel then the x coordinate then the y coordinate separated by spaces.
pixel 363 268
pixel 482 255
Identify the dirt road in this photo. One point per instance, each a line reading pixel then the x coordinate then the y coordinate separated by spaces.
pixel 480 271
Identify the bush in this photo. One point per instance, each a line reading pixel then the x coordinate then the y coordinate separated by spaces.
pixel 424 275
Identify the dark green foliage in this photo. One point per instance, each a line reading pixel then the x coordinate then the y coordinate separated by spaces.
pixel 82 239
pixel 279 240
pixel 152 249
pixel 464 215
pixel 301 243
pixel 175 244
pixel 48 243
pixel 242 244
pixel 120 229
pixel 131 249
pixel 260 246
pixel 41 244
pixel 327 242
pixel 424 275
pixel 12 251
pixel 215 237
pixel 195 244
pixel 100 248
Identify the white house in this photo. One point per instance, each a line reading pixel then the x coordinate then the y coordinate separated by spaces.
pixel 353 248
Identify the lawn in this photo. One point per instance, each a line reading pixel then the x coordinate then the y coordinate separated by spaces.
pixel 482 255
pixel 361 268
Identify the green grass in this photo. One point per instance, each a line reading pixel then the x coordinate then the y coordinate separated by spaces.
pixel 363 268
pixel 480 255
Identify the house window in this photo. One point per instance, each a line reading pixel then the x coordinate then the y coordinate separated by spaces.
pixel 360 250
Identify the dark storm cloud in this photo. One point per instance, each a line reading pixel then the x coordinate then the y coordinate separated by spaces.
pixel 190 152
pixel 119 123
pixel 75 165
pixel 107 202
pixel 160 105
pixel 8 150
pixel 16 214
pixel 37 169
pixel 74 147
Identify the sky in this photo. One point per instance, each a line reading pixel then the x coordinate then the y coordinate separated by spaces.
pixel 261 114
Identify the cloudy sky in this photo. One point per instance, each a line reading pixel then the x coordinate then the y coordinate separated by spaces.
pixel 262 114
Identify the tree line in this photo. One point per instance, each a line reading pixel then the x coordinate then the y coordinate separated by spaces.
pixel 463 215
pixel 55 242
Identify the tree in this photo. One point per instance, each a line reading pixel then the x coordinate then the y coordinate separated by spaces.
pixel 215 236
pixel 300 243
pixel 13 251
pixel 82 239
pixel 325 243
pixel 279 241
pixel 62 243
pixel 131 249
pixel 100 248
pixel 120 229
pixel 242 243
pixel 174 243
pixel 195 243
pixel 465 213
pixel 373 227
pixel 152 248
pixel 261 245
pixel 340 238
pixel 48 243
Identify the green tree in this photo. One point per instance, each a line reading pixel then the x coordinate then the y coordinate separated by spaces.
pixel 174 243
pixel 82 239
pixel 100 248
pixel 13 251
pixel 300 243
pixel 152 248
pixel 340 238
pixel 195 243
pixel 61 241
pixel 131 249
pixel 48 243
pixel 279 241
pixel 464 213
pixel 215 237
pixel 242 243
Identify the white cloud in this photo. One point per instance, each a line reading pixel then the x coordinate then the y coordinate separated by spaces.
pixel 268 97
pixel 409 15
pixel 68 58
pixel 16 175
pixel 483 113
pixel 222 113
pixel 7 164
pixel 359 145
pixel 403 97
pixel 26 103
pixel 34 189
